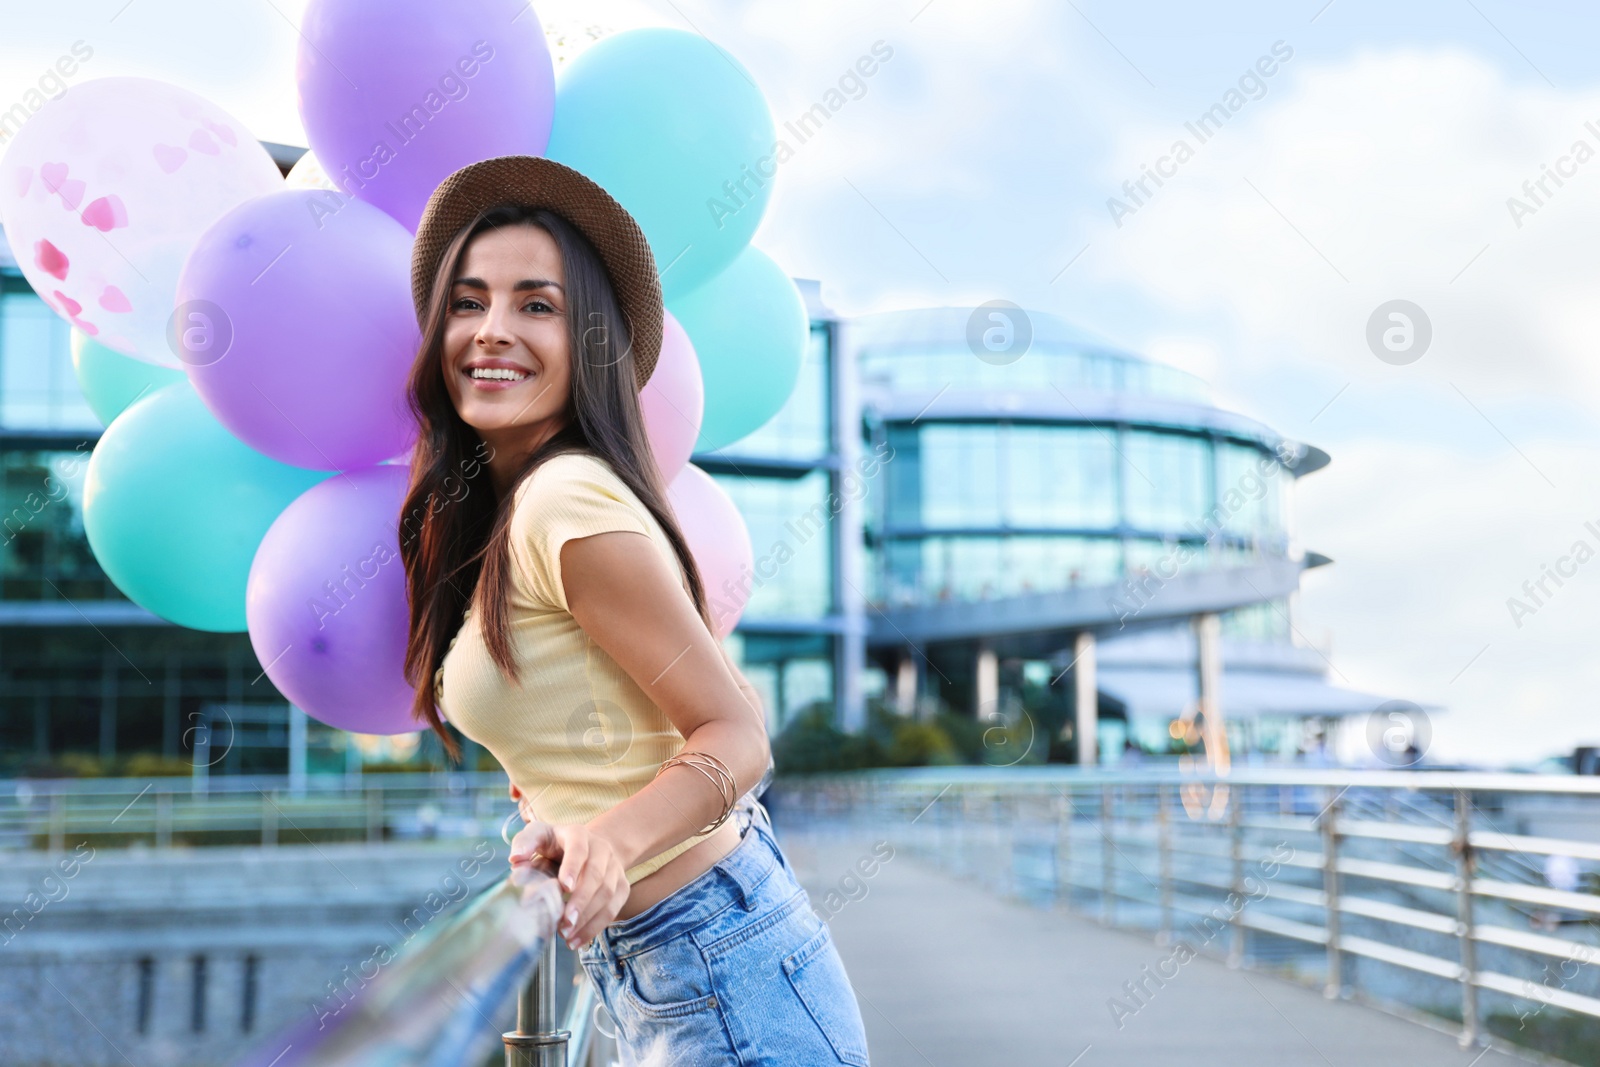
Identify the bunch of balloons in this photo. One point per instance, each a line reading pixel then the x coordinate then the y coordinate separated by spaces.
pixel 246 339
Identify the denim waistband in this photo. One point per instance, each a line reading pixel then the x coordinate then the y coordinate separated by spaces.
pixel 732 881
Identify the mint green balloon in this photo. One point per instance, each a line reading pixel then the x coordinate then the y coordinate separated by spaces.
pixel 674 128
pixel 749 329
pixel 110 380
pixel 175 506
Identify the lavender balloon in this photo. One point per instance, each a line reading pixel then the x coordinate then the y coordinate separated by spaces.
pixel 326 602
pixel 296 327
pixel 397 94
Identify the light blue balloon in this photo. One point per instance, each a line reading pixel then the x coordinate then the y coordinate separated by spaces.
pixel 110 380
pixel 175 506
pixel 675 129
pixel 749 329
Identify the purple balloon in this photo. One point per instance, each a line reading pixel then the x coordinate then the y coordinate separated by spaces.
pixel 295 325
pixel 397 94
pixel 326 602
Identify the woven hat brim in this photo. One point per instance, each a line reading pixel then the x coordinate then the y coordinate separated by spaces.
pixel 540 182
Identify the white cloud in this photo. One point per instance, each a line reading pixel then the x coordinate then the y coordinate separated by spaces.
pixel 1393 168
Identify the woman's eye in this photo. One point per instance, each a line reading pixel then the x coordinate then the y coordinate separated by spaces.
pixel 459 304
pixel 538 304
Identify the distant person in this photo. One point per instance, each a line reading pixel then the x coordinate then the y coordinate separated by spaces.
pixel 558 619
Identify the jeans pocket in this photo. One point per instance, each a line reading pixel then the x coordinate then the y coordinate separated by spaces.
pixel 669 980
pixel 817 974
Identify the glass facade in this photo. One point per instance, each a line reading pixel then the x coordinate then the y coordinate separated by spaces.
pixel 791 533
pixel 44 552
pixel 89 683
pixel 38 390
pixel 783 477
pixel 981 510
pixel 962 509
pixel 802 429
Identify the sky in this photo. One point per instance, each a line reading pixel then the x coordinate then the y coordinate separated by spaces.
pixel 1384 158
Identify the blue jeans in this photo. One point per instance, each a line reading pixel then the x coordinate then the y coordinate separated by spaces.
pixel 733 968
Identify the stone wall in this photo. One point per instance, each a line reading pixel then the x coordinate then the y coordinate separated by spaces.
pixel 189 957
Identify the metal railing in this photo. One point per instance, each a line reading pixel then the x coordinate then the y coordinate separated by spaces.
pixel 432 1005
pixel 250 809
pixel 1458 898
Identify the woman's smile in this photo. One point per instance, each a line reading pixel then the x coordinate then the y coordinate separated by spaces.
pixel 494 374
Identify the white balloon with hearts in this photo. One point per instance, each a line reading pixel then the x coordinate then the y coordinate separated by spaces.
pixel 107 187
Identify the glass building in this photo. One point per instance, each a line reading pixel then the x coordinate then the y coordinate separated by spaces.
pixel 943 524
pixel 950 503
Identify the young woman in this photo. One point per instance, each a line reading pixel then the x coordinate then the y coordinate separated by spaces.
pixel 558 619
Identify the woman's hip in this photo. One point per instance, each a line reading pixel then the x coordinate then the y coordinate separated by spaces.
pixel 733 968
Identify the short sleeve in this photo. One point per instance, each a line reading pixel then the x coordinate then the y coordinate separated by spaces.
pixel 570 495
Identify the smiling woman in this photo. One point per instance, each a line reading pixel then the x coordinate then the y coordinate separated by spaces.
pixel 562 622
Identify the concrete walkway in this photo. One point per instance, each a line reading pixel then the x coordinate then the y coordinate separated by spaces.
pixel 948 973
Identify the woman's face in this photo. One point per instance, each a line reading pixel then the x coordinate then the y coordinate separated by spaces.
pixel 507 359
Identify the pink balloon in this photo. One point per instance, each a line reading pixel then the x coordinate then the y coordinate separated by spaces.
pixel 105 190
pixel 326 602
pixel 719 542
pixel 297 328
pixel 673 401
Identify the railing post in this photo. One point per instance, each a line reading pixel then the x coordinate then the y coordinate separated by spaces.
pixel 1330 888
pixel 1164 846
pixel 1107 859
pixel 1064 847
pixel 1236 876
pixel 375 815
pixel 1462 847
pixel 269 821
pixel 536 1042
pixel 58 822
pixel 163 819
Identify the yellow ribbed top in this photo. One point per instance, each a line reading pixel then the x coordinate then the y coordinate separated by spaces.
pixel 577 735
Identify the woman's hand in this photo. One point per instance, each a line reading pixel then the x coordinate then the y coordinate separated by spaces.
pixel 590 874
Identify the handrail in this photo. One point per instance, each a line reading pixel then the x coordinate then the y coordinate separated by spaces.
pixel 1349 879
pixel 427 1005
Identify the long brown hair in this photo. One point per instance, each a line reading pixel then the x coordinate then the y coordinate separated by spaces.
pixel 454 531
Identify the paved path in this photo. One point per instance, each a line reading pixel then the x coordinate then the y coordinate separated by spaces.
pixel 948 973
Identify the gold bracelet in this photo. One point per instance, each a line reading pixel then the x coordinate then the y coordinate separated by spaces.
pixel 723 781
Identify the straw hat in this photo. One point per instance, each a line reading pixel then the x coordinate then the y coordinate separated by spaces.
pixel 543 182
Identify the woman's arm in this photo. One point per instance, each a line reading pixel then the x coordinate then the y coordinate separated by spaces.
pixel 620 590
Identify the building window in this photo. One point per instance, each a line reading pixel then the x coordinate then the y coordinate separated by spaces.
pixel 38 389
pixel 44 551
pixel 1248 502
pixel 791 534
pixel 1167 480
pixel 803 427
